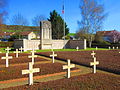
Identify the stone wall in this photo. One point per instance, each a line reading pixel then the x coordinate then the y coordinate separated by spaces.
pixel 72 44
pixel 56 44
pixel 27 44
pixel 59 44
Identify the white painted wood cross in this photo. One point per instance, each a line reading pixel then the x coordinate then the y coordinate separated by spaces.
pixel 32 56
pixel 96 48
pixel 53 57
pixel 17 52
pixel 94 64
pixel 77 48
pixel 30 72
pixel 21 49
pixel 93 54
pixel 7 58
pixel 113 47
pixel 69 66
pixel 8 49
pixel 116 47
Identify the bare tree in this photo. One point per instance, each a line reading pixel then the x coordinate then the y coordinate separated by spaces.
pixel 18 19
pixel 114 36
pixel 36 20
pixel 3 12
pixel 92 18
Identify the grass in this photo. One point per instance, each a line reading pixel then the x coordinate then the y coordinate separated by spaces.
pixel 48 50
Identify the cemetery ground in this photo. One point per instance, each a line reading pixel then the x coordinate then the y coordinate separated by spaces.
pixel 53 77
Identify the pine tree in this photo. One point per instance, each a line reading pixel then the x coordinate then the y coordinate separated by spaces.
pixel 57 25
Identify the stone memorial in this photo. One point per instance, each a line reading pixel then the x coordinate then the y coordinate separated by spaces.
pixel 46 35
pixel 30 72
pixel 53 56
pixel 94 64
pixel 7 58
pixel 69 66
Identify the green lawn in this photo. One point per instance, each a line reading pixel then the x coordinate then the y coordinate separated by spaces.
pixel 3 50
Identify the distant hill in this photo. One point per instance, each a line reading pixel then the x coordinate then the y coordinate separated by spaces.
pixel 18 28
pixel 71 34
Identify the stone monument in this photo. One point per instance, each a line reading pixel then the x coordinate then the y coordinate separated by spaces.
pixel 45 35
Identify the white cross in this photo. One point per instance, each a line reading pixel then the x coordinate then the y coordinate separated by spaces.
pixel 7 49
pixel 109 48
pixel 96 48
pixel 113 47
pixel 17 52
pixel 69 66
pixel 93 54
pixel 77 48
pixel 21 49
pixel 116 47
pixel 30 72
pixel 53 57
pixel 94 64
pixel 7 57
pixel 32 56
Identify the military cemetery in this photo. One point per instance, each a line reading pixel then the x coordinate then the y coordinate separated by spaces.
pixel 51 53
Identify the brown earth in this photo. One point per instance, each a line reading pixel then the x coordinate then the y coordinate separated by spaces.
pixel 96 81
pixel 16 71
pixel 109 59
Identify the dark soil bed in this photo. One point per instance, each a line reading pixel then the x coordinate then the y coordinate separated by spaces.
pixel 96 81
pixel 21 59
pixel 16 72
pixel 109 59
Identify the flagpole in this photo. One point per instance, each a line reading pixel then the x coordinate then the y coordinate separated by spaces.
pixel 63 12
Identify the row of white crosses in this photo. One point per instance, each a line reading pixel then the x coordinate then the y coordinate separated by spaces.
pixel 113 48
pixel 7 57
pixel 94 63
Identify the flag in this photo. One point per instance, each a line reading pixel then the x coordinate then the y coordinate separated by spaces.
pixel 63 9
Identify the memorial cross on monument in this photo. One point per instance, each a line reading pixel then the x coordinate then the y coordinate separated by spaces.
pixel 53 56
pixel 32 56
pixel 30 72
pixel 69 66
pixel 17 52
pixel 94 64
pixel 7 58
pixel 8 49
pixel 93 54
